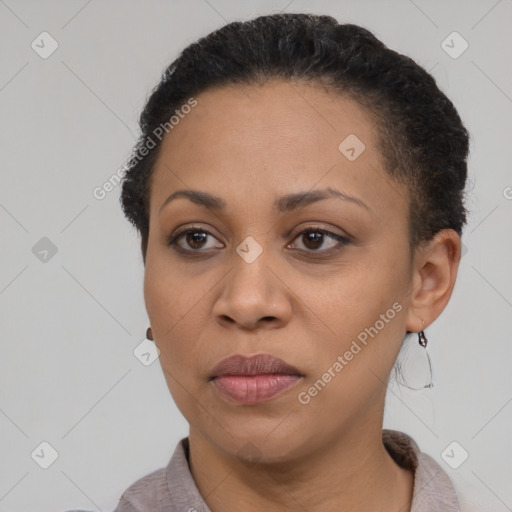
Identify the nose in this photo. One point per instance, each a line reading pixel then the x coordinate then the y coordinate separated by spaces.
pixel 254 296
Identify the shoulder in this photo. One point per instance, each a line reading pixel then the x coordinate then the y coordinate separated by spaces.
pixel 147 493
pixel 170 489
pixel 433 489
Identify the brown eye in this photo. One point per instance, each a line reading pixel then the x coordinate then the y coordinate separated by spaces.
pixel 194 239
pixel 316 238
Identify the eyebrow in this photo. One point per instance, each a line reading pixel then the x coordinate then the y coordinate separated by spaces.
pixel 284 204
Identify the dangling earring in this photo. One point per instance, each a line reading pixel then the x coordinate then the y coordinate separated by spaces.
pixel 149 334
pixel 422 340
pixel 414 368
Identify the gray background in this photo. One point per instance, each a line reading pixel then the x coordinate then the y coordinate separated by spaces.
pixel 69 325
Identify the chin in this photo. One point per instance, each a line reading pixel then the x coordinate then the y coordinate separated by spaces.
pixel 265 445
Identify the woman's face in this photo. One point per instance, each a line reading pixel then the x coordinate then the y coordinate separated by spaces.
pixel 254 284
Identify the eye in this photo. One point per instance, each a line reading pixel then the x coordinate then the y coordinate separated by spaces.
pixel 195 239
pixel 315 237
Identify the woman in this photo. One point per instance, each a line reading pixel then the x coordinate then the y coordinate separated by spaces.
pixel 298 188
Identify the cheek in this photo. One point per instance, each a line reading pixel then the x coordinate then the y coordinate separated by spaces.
pixel 356 296
pixel 363 316
pixel 167 307
pixel 352 370
pixel 178 307
pixel 170 307
pixel 169 295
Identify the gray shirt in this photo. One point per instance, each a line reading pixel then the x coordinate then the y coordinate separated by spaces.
pixel 172 489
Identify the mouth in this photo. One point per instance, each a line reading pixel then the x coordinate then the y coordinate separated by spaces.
pixel 251 380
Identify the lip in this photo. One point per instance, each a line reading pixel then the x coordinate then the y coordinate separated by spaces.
pixel 259 364
pixel 255 379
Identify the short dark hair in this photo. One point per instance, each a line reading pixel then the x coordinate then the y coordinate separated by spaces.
pixel 421 136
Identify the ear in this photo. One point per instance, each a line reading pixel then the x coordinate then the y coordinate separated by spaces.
pixel 434 273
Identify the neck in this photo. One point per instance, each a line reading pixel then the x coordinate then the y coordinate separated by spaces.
pixel 353 469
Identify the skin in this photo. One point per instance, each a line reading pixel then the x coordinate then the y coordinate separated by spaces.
pixel 250 145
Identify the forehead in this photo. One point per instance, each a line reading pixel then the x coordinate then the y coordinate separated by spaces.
pixel 270 114
pixel 257 142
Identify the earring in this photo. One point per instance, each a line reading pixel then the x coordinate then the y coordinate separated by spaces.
pixel 414 368
pixel 149 334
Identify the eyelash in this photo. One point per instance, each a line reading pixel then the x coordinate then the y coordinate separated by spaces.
pixel 343 240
